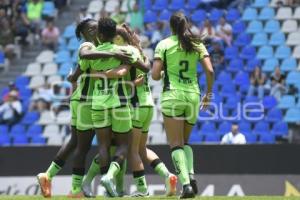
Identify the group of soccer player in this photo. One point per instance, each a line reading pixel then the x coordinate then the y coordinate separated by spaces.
pixel 113 101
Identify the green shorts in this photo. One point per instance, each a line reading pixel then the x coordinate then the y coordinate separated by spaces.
pixel 142 117
pixel 181 104
pixel 118 118
pixel 81 115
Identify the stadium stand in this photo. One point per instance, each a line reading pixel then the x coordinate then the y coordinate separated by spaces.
pixel 264 35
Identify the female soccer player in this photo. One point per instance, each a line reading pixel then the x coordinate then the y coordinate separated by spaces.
pixel 87 28
pixel 177 57
pixel 142 112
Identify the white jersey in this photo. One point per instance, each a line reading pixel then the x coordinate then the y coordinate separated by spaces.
pixel 229 138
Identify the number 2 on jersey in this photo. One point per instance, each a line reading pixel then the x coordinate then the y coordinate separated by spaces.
pixel 185 67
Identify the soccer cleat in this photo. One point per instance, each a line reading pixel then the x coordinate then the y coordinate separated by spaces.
pixel 45 184
pixel 87 191
pixel 140 194
pixel 108 184
pixel 171 183
pixel 78 195
pixel 194 185
pixel 187 192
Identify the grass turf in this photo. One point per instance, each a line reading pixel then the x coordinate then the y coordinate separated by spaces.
pixel 156 198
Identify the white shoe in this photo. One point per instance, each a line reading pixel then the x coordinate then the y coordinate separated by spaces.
pixel 171 183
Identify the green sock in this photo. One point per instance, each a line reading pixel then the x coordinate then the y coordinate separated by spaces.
pixel 162 170
pixel 92 172
pixel 179 161
pixel 140 181
pixel 53 170
pixel 76 183
pixel 189 158
pixel 120 177
pixel 113 170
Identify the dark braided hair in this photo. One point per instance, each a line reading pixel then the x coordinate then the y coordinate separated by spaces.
pixel 181 28
pixel 81 26
pixel 107 27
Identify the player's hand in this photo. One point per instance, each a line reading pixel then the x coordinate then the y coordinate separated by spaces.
pixel 124 56
pixel 139 81
pixel 70 78
pixel 205 102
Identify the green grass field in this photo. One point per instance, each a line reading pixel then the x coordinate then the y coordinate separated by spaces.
pixel 157 198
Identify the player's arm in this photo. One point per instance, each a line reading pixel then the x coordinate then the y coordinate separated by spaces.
pixel 139 80
pixel 112 73
pixel 142 65
pixel 157 69
pixel 209 72
pixel 75 75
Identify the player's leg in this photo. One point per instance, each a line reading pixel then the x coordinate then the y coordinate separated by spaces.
pixel 92 172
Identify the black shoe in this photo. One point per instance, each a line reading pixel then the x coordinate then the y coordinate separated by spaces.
pixel 194 185
pixel 187 192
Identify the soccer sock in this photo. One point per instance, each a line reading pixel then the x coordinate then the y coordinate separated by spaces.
pixel 92 172
pixel 140 181
pixel 160 168
pixel 113 170
pixel 179 161
pixel 54 168
pixel 189 158
pixel 120 177
pixel 77 178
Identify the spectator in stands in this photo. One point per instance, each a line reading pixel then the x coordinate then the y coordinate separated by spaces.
pixel 50 35
pixel 6 35
pixel 234 137
pixel 136 16
pixel 157 34
pixel 217 56
pixel 277 84
pixel 257 80
pixel 41 99
pixel 83 14
pixel 11 88
pixel 34 15
pixel 224 31
pixel 11 110
pixel 208 31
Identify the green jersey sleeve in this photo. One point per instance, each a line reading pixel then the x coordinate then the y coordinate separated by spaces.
pixel 84 63
pixel 159 51
pixel 202 51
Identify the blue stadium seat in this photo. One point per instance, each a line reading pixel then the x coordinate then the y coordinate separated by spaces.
pixel 272 26
pixel 17 130
pixel 235 65
pixel 267 139
pixel 25 93
pixel 73 44
pixel 228 90
pixel 74 57
pixel 4 140
pixel 62 56
pixel 212 138
pixel 242 39
pixel 176 4
pixel 260 3
pixel 277 39
pixel 147 4
pixel 288 64
pixel 208 128
pixel 265 52
pixel 259 39
pixel 270 65
pixel 38 140
pixel 224 127
pixel 165 15
pixel 203 116
pixel 202 79
pixel 292 115
pixel 150 16
pixel 3 129
pixel 280 129
pixel 248 52
pixel 255 27
pixel 274 115
pixel 283 52
pixel 195 138
pixel 242 80
pixel 223 77
pixel 266 14
pixel 48 9
pixel 231 52
pixel 2 58
pixel 4 91
pixel 232 15
pixel 65 68
pixel 293 78
pixel 34 130
pixel 245 127
pixel 160 5
pixel 261 128
pixel 249 14
pixel 198 16
pixel 251 64
pixel 287 101
pixel 69 31
pixel 20 140
pixel 232 102
pixel 22 81
pixel 30 118
pixel 269 102
pixel 215 15
pixel 250 138
pixel 192 4
pixel 238 27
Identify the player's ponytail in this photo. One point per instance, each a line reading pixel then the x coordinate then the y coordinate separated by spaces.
pixel 80 27
pixel 180 27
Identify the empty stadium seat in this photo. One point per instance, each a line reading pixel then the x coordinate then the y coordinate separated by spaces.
pixel 192 4
pixel 269 102
pixel 232 15
pixel 36 82
pixel 34 130
pixel 235 65
pixel 261 128
pixel 22 81
pixel 47 117
pixel 265 52
pixel 69 31
pixel 260 3
pixel 293 78
pixel 38 140
pixel 165 15
pixel 33 69
pixel 160 5
pixel 238 27
pixel 284 13
pixel 248 52
pixel 111 5
pixel 251 64
pixel 49 69
pixel 255 27
pixel 259 39
pixel 288 64
pixel 272 26
pixel 249 14
pixel 293 39
pixel 30 118
pixel 296 52
pixel 282 52
pixel 289 26
pixel 62 56
pixel 45 56
pixel 176 4
pixel 208 128
pixel 266 14
pixel 63 117
pixel 95 6
pixel 73 44
pixel 231 52
pixel 150 16
pixel 297 14
pixel 286 102
pixel 280 129
pixel 274 115
pixel 242 39
pixel 17 129
pixel 270 64
pixel 5 140
pixel 242 80
pixel 292 115
pixel 250 138
pixel 49 9
pixel 212 138
pixel 228 90
pixel 232 102
pixel 267 139
pixel 277 39
pixel 19 140
pixel 224 127
pixel 215 15
pixel 198 16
